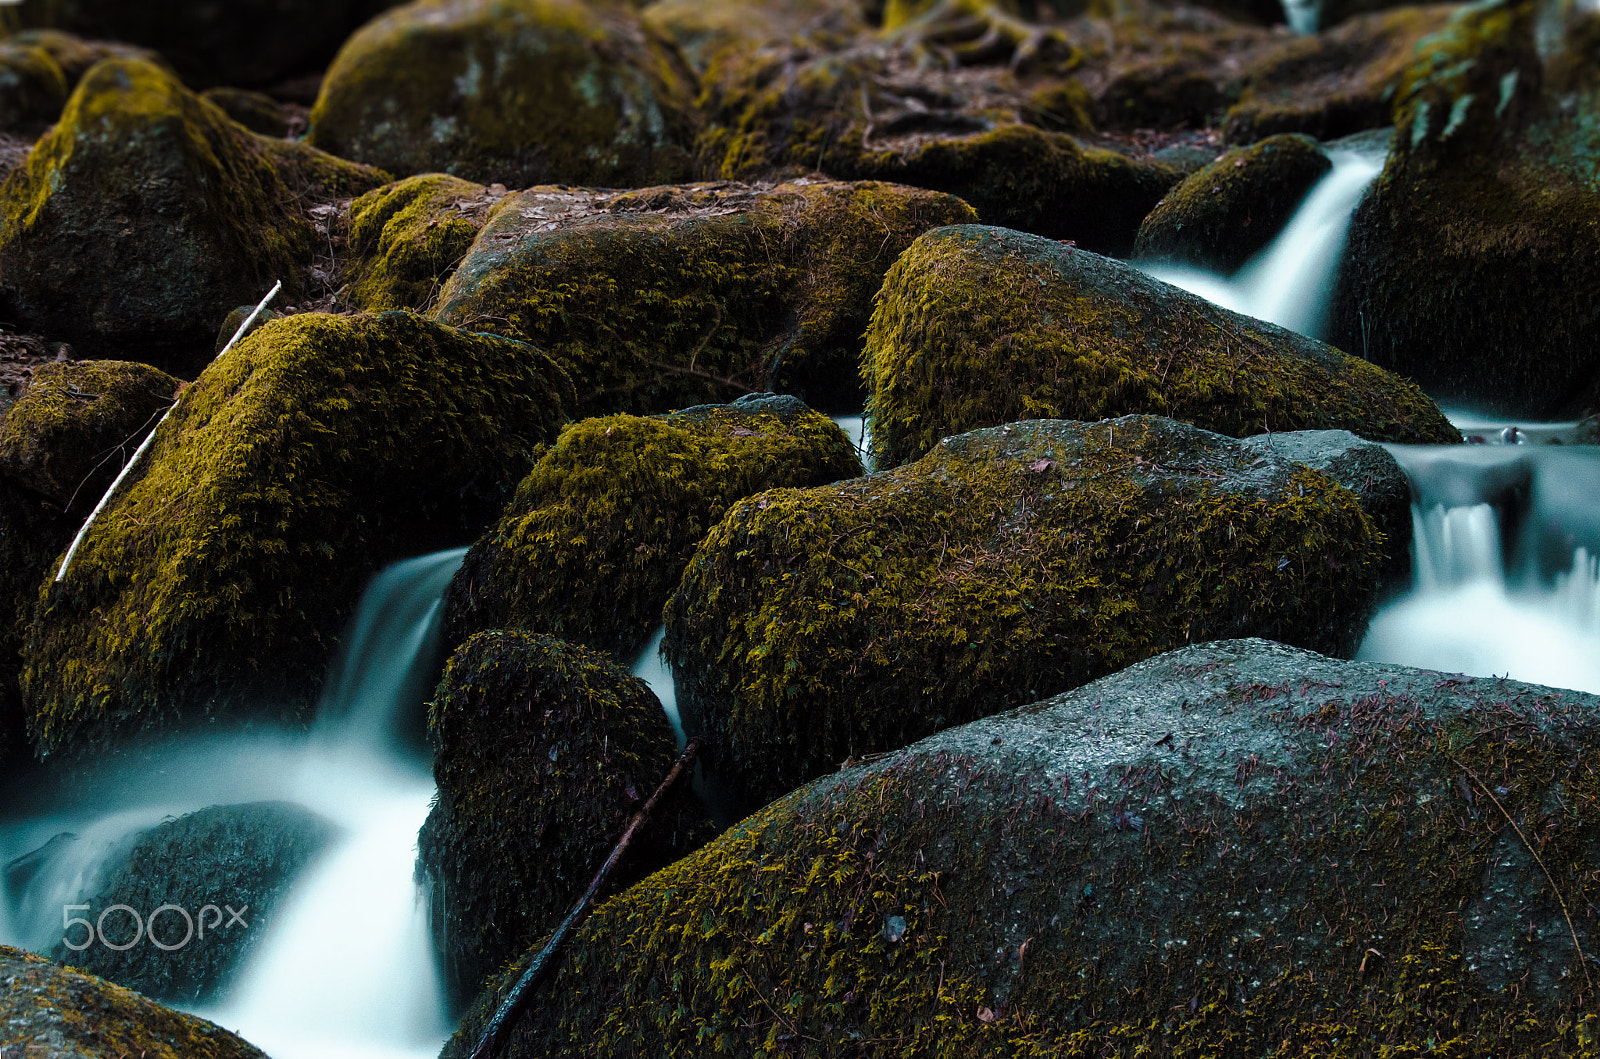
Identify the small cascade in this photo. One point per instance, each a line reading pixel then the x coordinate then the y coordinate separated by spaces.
pixel 1303 16
pixel 1290 282
pixel 651 668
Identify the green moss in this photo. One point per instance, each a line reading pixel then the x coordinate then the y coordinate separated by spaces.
pixel 518 91
pixel 1065 106
pixel 542 749
pixel 216 582
pixel 600 530
pixel 256 111
pixel 667 297
pixel 76 56
pixel 706 31
pixel 57 1011
pixel 976 327
pixel 32 87
pixel 405 239
pixel 1219 217
pixel 813 625
pixel 78 423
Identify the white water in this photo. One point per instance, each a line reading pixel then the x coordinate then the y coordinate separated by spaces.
pixel 651 668
pixel 350 971
pixel 1290 281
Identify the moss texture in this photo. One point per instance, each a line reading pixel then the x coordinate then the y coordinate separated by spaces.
pixel 33 88
pixel 79 422
pixel 1260 852
pixel 319 449
pixel 665 297
pixel 706 31
pixel 542 750
pixel 406 239
pixel 56 1013
pixel 77 56
pixel 1475 254
pixel 33 533
pixel 977 326
pixel 517 91
pixel 1010 563
pixel 147 213
pixel 597 537
pixel 1219 217
pixel 256 111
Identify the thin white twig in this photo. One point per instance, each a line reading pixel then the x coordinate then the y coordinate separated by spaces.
pixel 140 451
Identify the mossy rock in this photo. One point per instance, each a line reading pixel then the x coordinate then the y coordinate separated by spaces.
pixel 1221 216
pixel 236 319
pixel 1163 93
pixel 1010 563
pixel 1474 257
pixel 517 91
pixel 33 532
pixel 1237 850
pixel 1334 84
pixel 247 856
pixel 79 422
pixel 542 750
pixel 33 88
pixel 981 326
pixel 76 56
pixel 147 213
pixel 706 30
pixel 597 537
pixel 256 111
pixel 252 43
pixel 405 239
pixel 217 581
pixel 57 1013
pixel 672 296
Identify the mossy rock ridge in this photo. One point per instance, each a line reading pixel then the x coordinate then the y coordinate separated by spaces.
pixel 33 87
pixel 76 56
pixel 146 214
pixel 599 532
pixel 976 326
pixel 1236 849
pixel 1014 562
pixel 320 448
pixel 57 1013
pixel 517 91
pixel 245 856
pixel 1221 216
pixel 1473 258
pixel 665 297
pixel 542 751
pixel 706 31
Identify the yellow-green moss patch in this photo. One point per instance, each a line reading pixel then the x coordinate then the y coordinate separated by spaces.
pixel 405 239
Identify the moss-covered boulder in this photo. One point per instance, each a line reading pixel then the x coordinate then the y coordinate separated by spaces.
pixel 1010 563
pixel 256 111
pixel 666 297
pixel 33 89
pixel 1237 849
pixel 595 540
pixel 705 31
pixel 244 856
pixel 1474 257
pixel 79 422
pixel 76 56
pixel 543 750
pixel 516 91
pixel 405 239
pixel 146 214
pixel 55 1012
pixel 1335 83
pixel 981 326
pixel 1219 217
pixel 320 448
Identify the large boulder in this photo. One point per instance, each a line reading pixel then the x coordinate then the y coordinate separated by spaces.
pixel 147 214
pixel 543 750
pixel 1236 849
pixel 672 296
pixel 597 537
pixel 516 91
pixel 1474 258
pixel 243 856
pixel 54 1012
pixel 33 87
pixel 981 326
pixel 76 56
pixel 321 447
pixel 404 240
pixel 1010 563
pixel 1225 213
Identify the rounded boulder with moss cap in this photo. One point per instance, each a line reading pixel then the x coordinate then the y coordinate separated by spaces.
pixel 217 581
pixel 1010 563
pixel 543 750
pixel 517 91
pixel 147 213
pixel 595 540
pixel 664 297
pixel 33 88
pixel 1221 216
pixel 981 326
pixel 1236 849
